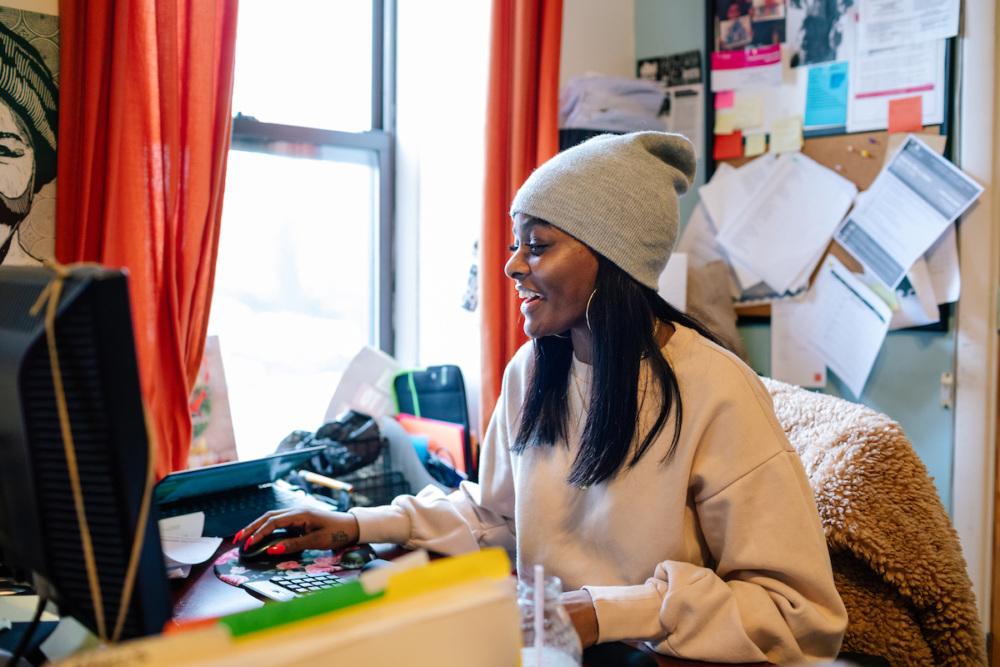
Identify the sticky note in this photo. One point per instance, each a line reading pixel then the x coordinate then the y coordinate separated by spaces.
pixel 749 113
pixel 724 99
pixel 728 146
pixel 786 135
pixel 906 115
pixel 725 123
pixel 756 144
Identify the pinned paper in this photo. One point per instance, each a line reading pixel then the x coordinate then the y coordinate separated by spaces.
pixel 786 135
pixel 724 99
pixel 906 115
pixel 749 113
pixel 756 144
pixel 826 98
pixel 728 146
pixel 725 123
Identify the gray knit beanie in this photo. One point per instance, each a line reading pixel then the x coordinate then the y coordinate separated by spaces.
pixel 618 195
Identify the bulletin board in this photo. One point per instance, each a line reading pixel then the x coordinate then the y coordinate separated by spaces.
pixel 734 25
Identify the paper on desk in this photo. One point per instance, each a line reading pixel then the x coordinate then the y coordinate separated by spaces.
pixel 366 385
pixel 886 23
pixel 793 358
pixel 907 208
pixel 848 323
pixel 781 235
pixel 183 544
pixel 21 609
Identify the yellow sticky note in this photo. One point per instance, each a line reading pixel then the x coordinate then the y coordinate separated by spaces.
pixel 786 135
pixel 756 144
pixel 724 123
pixel 749 113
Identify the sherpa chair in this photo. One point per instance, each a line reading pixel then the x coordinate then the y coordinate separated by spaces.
pixel 896 557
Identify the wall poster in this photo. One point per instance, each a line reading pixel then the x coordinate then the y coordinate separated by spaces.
pixel 29 127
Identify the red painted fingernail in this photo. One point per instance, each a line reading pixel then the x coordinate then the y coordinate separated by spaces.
pixel 238 536
pixel 276 549
pixel 249 540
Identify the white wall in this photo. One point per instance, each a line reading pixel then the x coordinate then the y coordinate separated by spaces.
pixel 976 341
pixel 598 37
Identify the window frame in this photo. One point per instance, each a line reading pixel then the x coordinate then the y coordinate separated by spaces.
pixel 381 140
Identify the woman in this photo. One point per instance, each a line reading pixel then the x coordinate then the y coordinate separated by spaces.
pixel 628 453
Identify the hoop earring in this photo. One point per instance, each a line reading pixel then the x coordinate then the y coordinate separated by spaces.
pixel 560 336
pixel 586 313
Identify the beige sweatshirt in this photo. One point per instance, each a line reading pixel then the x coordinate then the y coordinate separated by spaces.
pixel 717 554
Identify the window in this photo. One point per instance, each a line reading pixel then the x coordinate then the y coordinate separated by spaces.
pixel 304 270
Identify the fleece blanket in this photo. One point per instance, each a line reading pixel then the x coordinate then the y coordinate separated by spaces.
pixel 896 557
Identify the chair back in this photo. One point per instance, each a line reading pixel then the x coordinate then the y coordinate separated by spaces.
pixel 896 557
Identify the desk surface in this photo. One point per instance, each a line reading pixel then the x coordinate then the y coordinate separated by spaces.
pixel 204 595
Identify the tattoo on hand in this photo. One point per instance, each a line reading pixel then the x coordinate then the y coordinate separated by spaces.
pixel 340 537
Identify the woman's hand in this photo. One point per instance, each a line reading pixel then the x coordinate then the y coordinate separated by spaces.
pixel 582 612
pixel 317 529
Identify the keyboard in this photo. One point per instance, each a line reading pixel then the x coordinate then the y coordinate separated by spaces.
pixel 227 513
pixel 286 587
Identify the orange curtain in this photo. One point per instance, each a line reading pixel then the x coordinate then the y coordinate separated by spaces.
pixel 145 99
pixel 522 132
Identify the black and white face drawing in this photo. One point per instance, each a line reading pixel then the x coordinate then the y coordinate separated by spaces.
pixel 28 136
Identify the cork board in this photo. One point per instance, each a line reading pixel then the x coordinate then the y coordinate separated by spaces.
pixel 845 154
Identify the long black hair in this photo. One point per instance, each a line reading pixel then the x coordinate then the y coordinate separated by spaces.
pixel 621 315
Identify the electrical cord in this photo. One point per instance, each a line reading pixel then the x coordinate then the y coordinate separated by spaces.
pixel 22 646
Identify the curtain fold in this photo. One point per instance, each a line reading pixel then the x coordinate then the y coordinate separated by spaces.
pixel 145 119
pixel 522 119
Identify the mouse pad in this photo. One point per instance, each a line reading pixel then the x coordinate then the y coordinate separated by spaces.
pixel 229 569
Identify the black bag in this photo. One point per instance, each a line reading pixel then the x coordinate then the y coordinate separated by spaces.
pixel 352 441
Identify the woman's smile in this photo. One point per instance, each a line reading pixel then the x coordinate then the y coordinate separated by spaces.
pixel 554 275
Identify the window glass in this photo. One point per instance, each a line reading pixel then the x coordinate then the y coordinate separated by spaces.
pixel 294 288
pixel 305 63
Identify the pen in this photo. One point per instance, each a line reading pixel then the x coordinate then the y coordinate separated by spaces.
pixel 328 482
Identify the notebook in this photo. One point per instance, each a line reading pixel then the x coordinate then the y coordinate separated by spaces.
pixel 234 494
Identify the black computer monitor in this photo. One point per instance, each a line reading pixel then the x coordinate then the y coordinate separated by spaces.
pixel 40 536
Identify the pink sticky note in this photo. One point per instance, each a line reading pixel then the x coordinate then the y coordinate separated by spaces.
pixel 724 99
pixel 906 115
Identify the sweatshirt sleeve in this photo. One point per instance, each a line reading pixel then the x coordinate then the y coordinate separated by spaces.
pixel 472 517
pixel 770 597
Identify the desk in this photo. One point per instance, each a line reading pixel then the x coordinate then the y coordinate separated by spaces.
pixel 204 595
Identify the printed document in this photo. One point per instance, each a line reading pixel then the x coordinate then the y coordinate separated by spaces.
pixel 908 207
pixel 791 218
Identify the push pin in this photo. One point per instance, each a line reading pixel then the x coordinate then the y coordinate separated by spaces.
pixel 850 149
pixel 865 154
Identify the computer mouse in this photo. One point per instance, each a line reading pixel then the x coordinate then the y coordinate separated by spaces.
pixel 257 553
pixel 356 558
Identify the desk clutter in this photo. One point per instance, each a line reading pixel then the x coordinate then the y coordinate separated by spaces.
pixel 467 603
